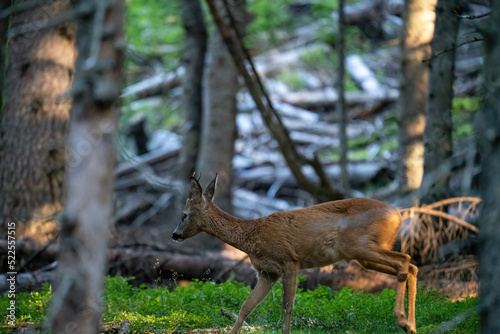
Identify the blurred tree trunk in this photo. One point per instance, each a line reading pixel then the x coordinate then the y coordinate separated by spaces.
pixel 438 126
pixel 219 110
pixel 417 35
pixel 34 126
pixel 4 28
pixel 89 185
pixel 340 107
pixel 488 134
pixel 193 59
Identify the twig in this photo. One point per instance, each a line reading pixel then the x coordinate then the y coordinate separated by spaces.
pixel 473 17
pixel 441 214
pixel 475 200
pixel 474 39
pixel 43 249
pixel 223 272
pixel 231 315
pixel 124 327
pixel 446 326
pixel 145 216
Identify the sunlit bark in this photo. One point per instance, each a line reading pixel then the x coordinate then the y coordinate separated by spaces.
pixel 34 126
pixel 419 18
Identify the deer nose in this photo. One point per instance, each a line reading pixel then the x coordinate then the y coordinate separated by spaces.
pixel 176 237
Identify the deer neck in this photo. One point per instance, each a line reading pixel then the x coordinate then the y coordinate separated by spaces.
pixel 231 230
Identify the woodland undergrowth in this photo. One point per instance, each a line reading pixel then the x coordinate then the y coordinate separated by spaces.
pixel 198 306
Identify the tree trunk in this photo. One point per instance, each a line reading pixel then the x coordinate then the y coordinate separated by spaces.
pixel 488 134
pixel 340 107
pixel 34 126
pixel 4 28
pixel 87 215
pixel 219 111
pixel 193 59
pixel 438 127
pixel 418 29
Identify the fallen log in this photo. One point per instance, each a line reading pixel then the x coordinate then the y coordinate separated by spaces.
pixel 154 85
pixel 264 177
pixel 154 267
pixel 327 99
pixel 363 76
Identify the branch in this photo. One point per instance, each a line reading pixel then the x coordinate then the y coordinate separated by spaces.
pixel 474 39
pixel 270 116
pixel 426 211
pixel 475 200
pixel 473 17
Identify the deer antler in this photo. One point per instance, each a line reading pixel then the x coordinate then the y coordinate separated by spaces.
pixel 194 176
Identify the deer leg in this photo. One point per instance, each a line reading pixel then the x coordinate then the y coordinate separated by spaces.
pixel 412 292
pixel 262 288
pixel 289 291
pixel 397 264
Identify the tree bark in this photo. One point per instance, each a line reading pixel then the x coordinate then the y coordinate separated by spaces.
pixel 4 28
pixel 34 126
pixel 438 142
pixel 219 111
pixel 340 107
pixel 193 59
pixel 418 29
pixel 89 185
pixel 488 133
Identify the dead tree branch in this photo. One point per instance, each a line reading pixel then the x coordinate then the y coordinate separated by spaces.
pixel 295 160
pixel 474 39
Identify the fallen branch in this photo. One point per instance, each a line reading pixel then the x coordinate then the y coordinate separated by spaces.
pixel 426 211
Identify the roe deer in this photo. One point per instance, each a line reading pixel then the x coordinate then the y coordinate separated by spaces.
pixel 284 242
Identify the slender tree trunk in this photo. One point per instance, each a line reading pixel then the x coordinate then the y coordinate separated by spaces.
pixel 488 135
pixel 438 127
pixel 219 111
pixel 418 29
pixel 193 59
pixel 341 109
pixel 4 27
pixel 76 306
pixel 34 125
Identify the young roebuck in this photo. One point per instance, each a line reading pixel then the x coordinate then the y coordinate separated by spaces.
pixel 284 242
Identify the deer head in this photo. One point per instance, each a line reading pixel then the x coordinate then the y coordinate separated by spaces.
pixel 194 214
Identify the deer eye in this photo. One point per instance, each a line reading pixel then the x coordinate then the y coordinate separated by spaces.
pixel 184 216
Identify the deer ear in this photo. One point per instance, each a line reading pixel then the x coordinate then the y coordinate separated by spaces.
pixel 209 192
pixel 195 191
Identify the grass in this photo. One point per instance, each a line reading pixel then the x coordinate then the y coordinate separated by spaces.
pixel 198 305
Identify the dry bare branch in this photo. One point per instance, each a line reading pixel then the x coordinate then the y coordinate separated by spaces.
pixel 428 228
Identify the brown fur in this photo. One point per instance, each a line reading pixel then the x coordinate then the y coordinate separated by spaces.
pixel 284 242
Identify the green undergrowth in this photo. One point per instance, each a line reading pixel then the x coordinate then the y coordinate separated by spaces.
pixel 198 305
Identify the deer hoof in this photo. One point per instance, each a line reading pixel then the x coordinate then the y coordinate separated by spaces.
pixel 408 329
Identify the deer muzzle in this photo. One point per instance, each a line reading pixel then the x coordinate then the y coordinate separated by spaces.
pixel 177 237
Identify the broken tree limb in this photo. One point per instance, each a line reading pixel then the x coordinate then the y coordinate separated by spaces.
pixel 363 76
pixel 154 85
pixel 436 213
pixel 328 98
